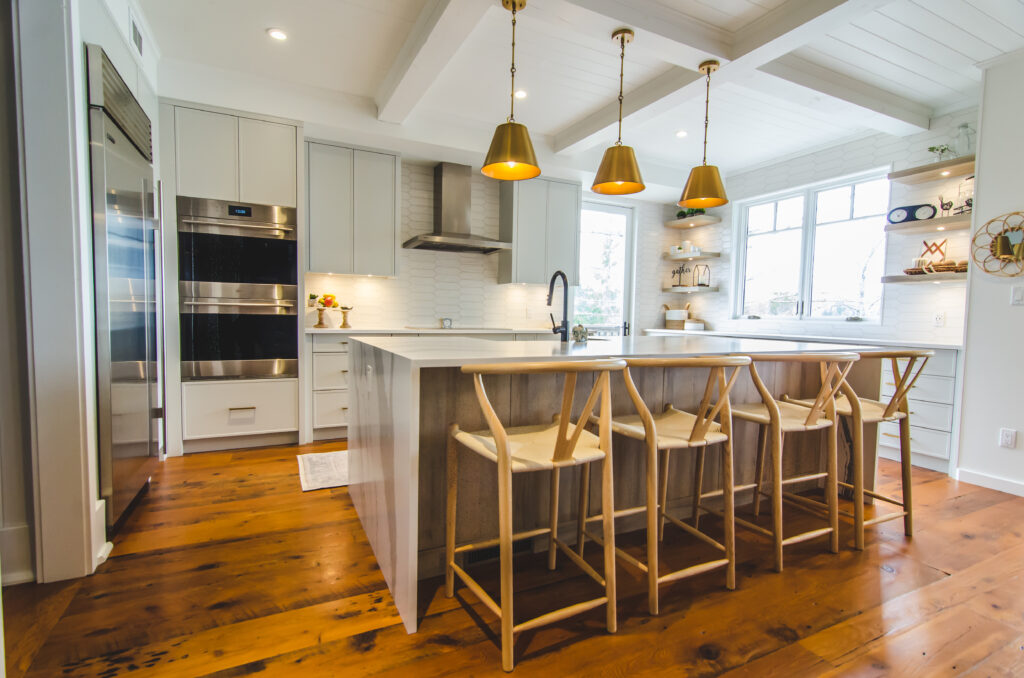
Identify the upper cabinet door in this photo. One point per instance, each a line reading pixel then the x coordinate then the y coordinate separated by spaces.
pixel 531 227
pixel 206 146
pixel 563 220
pixel 329 178
pixel 266 159
pixel 375 185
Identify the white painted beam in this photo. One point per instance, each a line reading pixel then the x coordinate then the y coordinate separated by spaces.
pixel 441 28
pixel 880 109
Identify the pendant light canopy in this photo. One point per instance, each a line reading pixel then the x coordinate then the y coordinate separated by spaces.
pixel 619 173
pixel 511 155
pixel 704 187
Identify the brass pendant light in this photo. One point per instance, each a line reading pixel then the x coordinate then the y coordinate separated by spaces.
pixel 511 155
pixel 704 188
pixel 618 173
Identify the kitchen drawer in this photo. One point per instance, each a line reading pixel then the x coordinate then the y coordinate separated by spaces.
pixel 942 364
pixel 936 416
pixel 330 343
pixel 213 409
pixel 922 440
pixel 927 387
pixel 330 371
pixel 330 408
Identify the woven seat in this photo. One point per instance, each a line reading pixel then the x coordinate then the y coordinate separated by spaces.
pixel 793 417
pixel 872 411
pixel 531 447
pixel 674 429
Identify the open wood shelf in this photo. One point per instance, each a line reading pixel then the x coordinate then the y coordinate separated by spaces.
pixel 696 221
pixel 945 169
pixel 957 222
pixel 691 257
pixel 925 278
pixel 689 289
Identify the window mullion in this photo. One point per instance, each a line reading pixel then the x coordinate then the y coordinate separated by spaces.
pixel 807 253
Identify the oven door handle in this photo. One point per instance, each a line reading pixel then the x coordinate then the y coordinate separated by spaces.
pixel 261 226
pixel 270 304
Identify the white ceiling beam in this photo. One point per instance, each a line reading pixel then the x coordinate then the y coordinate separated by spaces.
pixel 784 29
pixel 879 109
pixel 442 26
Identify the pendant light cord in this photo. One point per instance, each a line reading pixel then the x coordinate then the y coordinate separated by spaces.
pixel 622 66
pixel 512 97
pixel 707 99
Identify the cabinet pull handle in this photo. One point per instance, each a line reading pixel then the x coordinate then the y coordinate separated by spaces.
pixel 891 435
pixel 242 409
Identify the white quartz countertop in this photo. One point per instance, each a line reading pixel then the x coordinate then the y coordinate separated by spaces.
pixel 792 337
pixel 429 330
pixel 458 351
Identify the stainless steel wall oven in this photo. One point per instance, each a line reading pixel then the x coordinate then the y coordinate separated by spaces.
pixel 237 271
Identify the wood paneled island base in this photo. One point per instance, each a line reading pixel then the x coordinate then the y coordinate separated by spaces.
pixel 407 392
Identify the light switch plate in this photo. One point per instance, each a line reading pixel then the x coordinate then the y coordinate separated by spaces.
pixel 1017 295
pixel 1007 438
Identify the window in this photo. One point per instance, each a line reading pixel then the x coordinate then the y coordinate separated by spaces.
pixel 602 300
pixel 815 253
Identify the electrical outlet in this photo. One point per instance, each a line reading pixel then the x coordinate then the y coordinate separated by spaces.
pixel 1007 438
pixel 940 319
pixel 1017 295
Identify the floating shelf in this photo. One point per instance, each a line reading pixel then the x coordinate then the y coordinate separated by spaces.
pixel 946 169
pixel 958 222
pixel 925 278
pixel 691 257
pixel 696 221
pixel 687 289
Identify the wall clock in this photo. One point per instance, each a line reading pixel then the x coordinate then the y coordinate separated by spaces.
pixel 912 213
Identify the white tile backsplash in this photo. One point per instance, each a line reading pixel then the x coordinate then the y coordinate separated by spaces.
pixel 908 310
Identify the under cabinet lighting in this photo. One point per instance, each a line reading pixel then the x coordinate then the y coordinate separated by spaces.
pixel 681 133
pixel 277 34
pixel 945 173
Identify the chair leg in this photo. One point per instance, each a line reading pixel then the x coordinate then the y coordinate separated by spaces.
pixel 762 443
pixel 857 449
pixel 832 485
pixel 663 499
pixel 652 529
pixel 698 486
pixel 584 507
pixel 729 501
pixel 905 467
pixel 505 554
pixel 553 519
pixel 452 476
pixel 608 514
pixel 776 443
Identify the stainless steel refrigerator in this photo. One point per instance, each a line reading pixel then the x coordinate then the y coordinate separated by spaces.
pixel 126 287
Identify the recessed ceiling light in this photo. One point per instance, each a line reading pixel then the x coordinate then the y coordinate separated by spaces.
pixel 277 34
pixel 945 173
pixel 520 94
pixel 681 133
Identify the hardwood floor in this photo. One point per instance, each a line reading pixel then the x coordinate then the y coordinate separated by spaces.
pixel 226 568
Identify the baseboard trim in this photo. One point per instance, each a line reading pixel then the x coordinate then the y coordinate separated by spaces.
pixel 992 482
pixel 239 442
pixel 921 460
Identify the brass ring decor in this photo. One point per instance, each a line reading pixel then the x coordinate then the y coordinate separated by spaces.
pixel 998 246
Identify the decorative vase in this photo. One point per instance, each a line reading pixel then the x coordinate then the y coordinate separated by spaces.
pixel 344 318
pixel 320 324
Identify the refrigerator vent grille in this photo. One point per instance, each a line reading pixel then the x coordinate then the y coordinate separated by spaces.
pixel 109 92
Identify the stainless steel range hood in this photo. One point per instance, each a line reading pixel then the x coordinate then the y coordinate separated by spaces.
pixel 451 216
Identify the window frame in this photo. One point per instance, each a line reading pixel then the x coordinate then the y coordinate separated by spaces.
pixel 808 232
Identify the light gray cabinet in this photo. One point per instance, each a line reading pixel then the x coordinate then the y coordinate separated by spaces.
pixel 542 219
pixel 353 210
pixel 226 157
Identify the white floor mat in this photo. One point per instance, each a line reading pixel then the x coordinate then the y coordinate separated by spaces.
pixel 324 469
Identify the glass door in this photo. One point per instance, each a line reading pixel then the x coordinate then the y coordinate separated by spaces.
pixel 603 302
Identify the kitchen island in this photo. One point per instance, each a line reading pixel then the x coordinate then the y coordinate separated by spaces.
pixel 407 391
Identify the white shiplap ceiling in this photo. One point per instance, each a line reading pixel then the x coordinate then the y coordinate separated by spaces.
pixel 796 74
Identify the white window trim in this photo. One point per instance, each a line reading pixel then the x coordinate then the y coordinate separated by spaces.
pixel 632 226
pixel 809 192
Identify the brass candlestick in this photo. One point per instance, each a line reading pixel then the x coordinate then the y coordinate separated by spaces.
pixel 320 324
pixel 344 317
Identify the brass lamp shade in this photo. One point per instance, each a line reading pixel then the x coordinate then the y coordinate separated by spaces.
pixel 618 174
pixel 511 156
pixel 704 188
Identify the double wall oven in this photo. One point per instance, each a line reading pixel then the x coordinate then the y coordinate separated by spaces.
pixel 238 268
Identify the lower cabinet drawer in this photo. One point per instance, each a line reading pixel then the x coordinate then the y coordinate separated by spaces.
pixel 927 387
pixel 330 408
pixel 922 440
pixel 330 371
pixel 214 409
pixel 330 343
pixel 930 415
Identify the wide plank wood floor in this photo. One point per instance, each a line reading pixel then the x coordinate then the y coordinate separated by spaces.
pixel 226 568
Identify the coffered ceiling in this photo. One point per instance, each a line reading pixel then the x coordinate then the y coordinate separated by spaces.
pixel 795 75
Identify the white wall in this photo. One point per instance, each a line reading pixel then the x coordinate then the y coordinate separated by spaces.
pixel 995 330
pixel 908 309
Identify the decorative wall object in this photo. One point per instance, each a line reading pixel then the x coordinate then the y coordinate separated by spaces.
pixel 702 275
pixel 998 246
pixel 900 215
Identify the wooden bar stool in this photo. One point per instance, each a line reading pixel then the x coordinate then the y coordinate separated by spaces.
pixel 863 411
pixel 671 430
pixel 523 449
pixel 777 418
